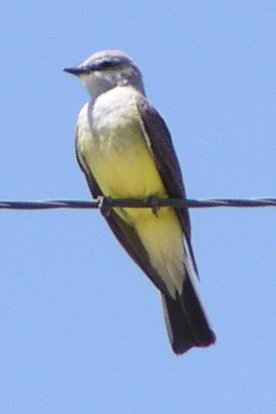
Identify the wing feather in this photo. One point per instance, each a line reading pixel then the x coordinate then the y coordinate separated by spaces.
pixel 166 160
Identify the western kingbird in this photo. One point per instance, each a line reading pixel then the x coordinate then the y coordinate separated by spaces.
pixel 125 150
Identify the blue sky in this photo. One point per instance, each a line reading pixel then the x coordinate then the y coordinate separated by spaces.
pixel 81 328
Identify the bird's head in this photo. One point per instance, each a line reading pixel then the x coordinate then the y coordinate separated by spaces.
pixel 107 69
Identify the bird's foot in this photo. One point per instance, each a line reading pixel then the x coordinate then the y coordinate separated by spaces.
pixel 153 202
pixel 105 205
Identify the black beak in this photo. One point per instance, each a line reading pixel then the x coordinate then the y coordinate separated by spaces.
pixel 77 71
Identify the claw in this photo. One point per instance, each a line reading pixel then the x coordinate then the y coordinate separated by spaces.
pixel 154 204
pixel 105 205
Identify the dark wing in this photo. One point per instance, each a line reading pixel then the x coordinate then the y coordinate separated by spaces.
pixel 166 160
pixel 165 156
pixel 124 233
pixel 186 321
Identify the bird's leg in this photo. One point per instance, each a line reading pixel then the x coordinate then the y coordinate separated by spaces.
pixel 105 205
pixel 153 202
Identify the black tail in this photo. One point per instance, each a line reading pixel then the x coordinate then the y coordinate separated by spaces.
pixel 186 321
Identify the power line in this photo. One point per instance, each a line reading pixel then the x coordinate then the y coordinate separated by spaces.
pixel 106 203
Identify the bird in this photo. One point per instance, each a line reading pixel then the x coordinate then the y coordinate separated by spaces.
pixel 125 150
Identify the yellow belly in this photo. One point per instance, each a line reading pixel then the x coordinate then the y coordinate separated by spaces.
pixel 122 164
pixel 127 169
pixel 119 158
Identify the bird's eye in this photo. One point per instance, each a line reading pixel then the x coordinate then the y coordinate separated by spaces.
pixel 105 64
pixel 108 64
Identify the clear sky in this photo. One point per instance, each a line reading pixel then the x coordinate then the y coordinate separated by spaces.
pixel 81 328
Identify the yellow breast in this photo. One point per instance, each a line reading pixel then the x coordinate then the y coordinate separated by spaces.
pixel 115 150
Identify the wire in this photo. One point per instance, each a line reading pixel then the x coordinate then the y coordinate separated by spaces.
pixel 106 203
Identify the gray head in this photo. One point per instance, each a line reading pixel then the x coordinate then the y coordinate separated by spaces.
pixel 107 69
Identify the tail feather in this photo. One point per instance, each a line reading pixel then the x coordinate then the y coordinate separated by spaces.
pixel 186 322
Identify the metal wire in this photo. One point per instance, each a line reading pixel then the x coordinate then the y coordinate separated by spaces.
pixel 151 202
